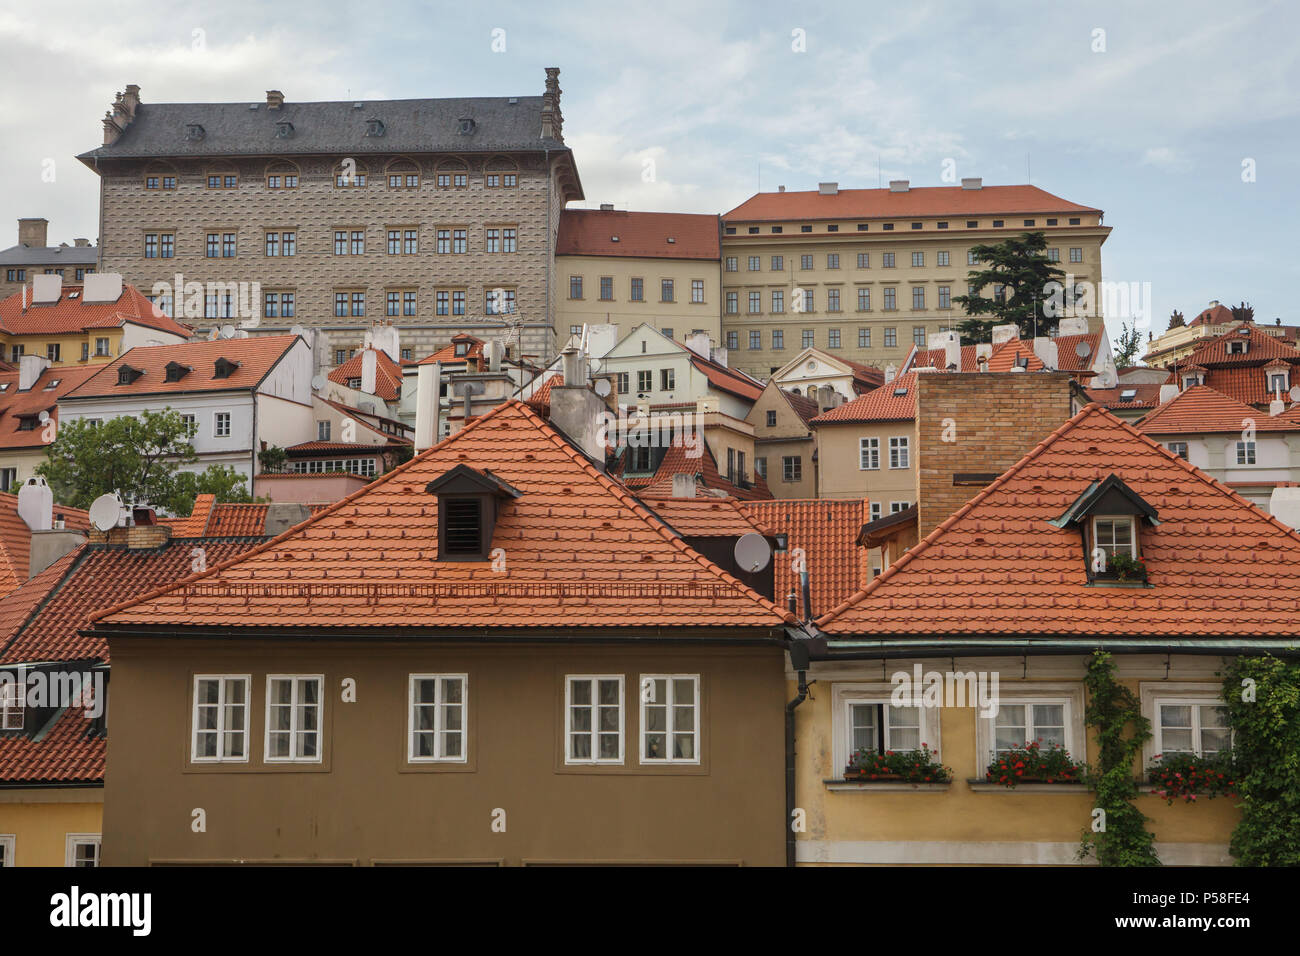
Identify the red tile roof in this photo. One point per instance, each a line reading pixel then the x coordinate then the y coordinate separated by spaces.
pixel 228 519
pixel 708 480
pixel 703 517
pixel 447 354
pixel 18 604
pixel 388 374
pixel 885 404
pixel 540 398
pixel 725 379
pixel 802 405
pixel 1214 315
pixel 886 204
pixel 256 356
pixel 1146 395
pixel 827 530
pixel 73 314
pixel 865 377
pixel 1201 409
pixel 66 754
pixel 16 540
pixel 1002 357
pixel 1246 383
pixel 1217 565
pixel 652 235
pixel 1068 357
pixel 581 552
pixel 1213 351
pixel 16 405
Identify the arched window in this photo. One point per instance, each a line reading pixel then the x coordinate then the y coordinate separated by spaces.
pixel 159 175
pixel 501 173
pixel 349 173
pixel 403 174
pixel 282 175
pixel 222 176
pixel 452 174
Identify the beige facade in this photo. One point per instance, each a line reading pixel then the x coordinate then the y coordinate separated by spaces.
pixel 855 461
pixel 32 257
pixel 676 297
pixel 874 291
pixel 783 446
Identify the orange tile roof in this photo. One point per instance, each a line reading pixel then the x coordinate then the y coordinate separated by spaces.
pixel 447 354
pixel 256 356
pixel 1068 357
pixel 827 530
pixel 1201 409
pixel 703 517
pixel 18 604
pixel 1214 315
pixel 16 405
pixel 1217 565
pixel 388 374
pixel 865 377
pixel 65 754
pixel 885 204
pixel 16 540
pixel 650 235
pixel 73 314
pixel 540 399
pixel 708 480
pixel 726 379
pixel 581 552
pixel 885 404
pixel 1213 350
pixel 801 405
pixel 1146 395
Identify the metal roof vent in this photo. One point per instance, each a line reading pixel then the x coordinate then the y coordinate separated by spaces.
pixel 374 127
pixel 194 132
pixel 466 125
pixel 283 130
pixel 514 101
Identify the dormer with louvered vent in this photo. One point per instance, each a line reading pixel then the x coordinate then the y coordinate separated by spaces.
pixel 469 502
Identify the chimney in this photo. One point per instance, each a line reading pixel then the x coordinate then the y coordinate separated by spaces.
pixel 1046 351
pixel 36 504
pixel 683 485
pixel 1072 325
pixel 281 516
pixel 575 367
pixel 102 288
pixel 828 189
pixel 81 243
pixel 973 183
pixel 890 372
pixel 1005 333
pixel 552 119
pixel 369 367
pixel 494 351
pixel 1276 407
pixel 1168 393
pixel 698 342
pixel 30 368
pixel 130 100
pixel 899 185
pixel 46 289
pixel 33 233
pixel 607 207
pixel 780 189
pixel 983 352
pixel 274 99
pixel 50 541
pixel 719 355
pixel 952 351
pixel 428 384
pixel 1213 302
pixel 579 413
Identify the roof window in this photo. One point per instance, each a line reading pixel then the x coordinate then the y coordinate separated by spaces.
pixel 469 503
pixel 1109 516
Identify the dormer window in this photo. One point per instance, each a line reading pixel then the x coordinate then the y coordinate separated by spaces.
pixel 194 132
pixel 126 374
pixel 469 502
pixel 374 127
pixel 461 349
pixel 1238 346
pixel 1109 516
pixel 13 704
pixel 175 371
pixel 224 368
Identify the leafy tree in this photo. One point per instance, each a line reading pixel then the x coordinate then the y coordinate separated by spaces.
pixel 1033 294
pixel 400 456
pixel 220 480
pixel 1176 320
pixel 272 459
pixel 138 457
pixel 1130 342
pixel 1243 313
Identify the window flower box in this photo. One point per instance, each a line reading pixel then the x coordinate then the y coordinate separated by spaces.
pixel 1032 764
pixel 1122 568
pixel 897 766
pixel 1186 776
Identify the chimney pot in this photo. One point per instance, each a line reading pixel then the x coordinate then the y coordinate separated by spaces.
pixel 828 189
pixel 974 182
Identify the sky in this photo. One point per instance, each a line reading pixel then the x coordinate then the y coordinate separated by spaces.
pixel 1177 119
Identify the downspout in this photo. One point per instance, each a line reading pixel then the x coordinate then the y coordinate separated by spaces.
pixel 798 649
pixel 550 263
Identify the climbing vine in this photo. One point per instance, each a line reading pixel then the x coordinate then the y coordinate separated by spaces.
pixel 1263 699
pixel 1118 833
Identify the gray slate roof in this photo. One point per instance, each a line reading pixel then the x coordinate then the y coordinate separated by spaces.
pixel 49 256
pixel 410 126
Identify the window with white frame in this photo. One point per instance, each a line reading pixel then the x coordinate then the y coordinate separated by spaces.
pixel 220 719
pixel 437 718
pixel 1185 717
pixel 13 703
pixel 293 718
pixel 7 841
pixel 864 717
pixel 221 424
pixel 1114 535
pixel 82 849
pixel 898 452
pixel 1245 453
pixel 896 506
pixel 1047 714
pixel 593 718
pixel 868 454
pixel 670 718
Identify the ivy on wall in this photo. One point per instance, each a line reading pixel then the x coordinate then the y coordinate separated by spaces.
pixel 1118 833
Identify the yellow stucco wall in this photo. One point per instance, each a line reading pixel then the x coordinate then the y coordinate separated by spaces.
pixel 41 827
pixel 69 346
pixel 838 473
pixel 681 315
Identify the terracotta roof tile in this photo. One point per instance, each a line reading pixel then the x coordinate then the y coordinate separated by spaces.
pixel 73 314
pixel 886 204
pixel 827 530
pixel 388 374
pixel 16 539
pixel 893 402
pixel 703 517
pixel 1201 409
pixel 651 235
pixel 256 357
pixel 581 552
pixel 16 406
pixel 1068 352
pixel 728 379
pixel 1217 565
pixel 1145 395
pixel 447 354
pixel 1213 351
pixel 708 479
pixel 801 405
pixel 67 753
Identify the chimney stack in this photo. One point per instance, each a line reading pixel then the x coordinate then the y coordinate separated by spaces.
pixel 828 189
pixel 428 405
pixel 552 119
pixel 369 370
pixel 33 233
pixel 274 99
pixel 899 185
pixel 1005 333
pixel 974 182
pixel 30 368
pixel 683 485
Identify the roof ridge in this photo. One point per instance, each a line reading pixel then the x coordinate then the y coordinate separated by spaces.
pixel 78 555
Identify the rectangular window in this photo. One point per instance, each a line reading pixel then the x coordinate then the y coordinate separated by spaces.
pixel 755 263
pixel 882 727
pixel 918 336
pixel 7 842
pixel 697 290
pixel 459 241
pixel 832 300
pixel 1245 453
pixel 945 297
pixel 510 239
pixel 891 300
pixel 394 242
pixel 644 380
pixel 791 468
pixel 898 451
pixel 733 340
pixel 212 250
pixel 778 263
pixel 1193 724
pixel 458 302
pixel 442 241
pixel 191 424
pixel 408 302
pixel 638 290
pixel 808 338
pixel 593 719
pixel 891 337
pixel 220 718
pixel 864 300
pixel 760 468
pixel 666 290
pixel 1076 254
pixel 755 302
pixel 864 338
pixel 918 260
pixel 575 287
pixel 667 379
pixel 808 301
pixel 864 260
pixel 1043 722
pixel 868 454
pixel 888 260
pixel 437 718
pixel 832 260
pixel 778 338
pixel 778 302
pixel 621 382
pixel 1179 448
pixel 733 303
pixel 896 506
pixel 918 299
pixel 1114 536
pixel 293 718
pixel 606 288
pixel 971 258
pixel 82 850
pixel 357 242
pixel 1053 255
pixel 670 718
pixel 221 424
pixel 323 430
pixel 805 262
pixel 941 258
pixel 13 693
pixel 755 339
pixel 771 419
pixel 732 264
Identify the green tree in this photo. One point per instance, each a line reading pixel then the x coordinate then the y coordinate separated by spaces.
pixel 1033 295
pixel 1128 345
pixel 220 480
pixel 272 459
pixel 138 457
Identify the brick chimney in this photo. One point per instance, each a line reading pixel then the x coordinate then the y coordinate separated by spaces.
pixel 274 99
pixel 121 113
pixel 33 233
pixel 552 119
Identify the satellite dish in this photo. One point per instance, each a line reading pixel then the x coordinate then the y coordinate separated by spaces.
pixel 602 387
pixel 318 383
pixel 105 512
pixel 227 332
pixel 1083 350
pixel 1295 393
pixel 752 552
pixel 213 333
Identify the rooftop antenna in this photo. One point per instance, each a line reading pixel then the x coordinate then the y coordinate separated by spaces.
pixel 1029 174
pixel 877 170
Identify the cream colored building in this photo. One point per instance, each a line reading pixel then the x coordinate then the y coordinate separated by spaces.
pixel 784 444
pixel 867 448
pixel 629 268
pixel 1174 345
pixel 868 273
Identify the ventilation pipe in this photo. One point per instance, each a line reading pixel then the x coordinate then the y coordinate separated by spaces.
pixel 428 384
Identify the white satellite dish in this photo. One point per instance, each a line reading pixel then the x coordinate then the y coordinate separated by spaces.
pixel 227 332
pixel 105 512
pixel 752 552
pixel 318 383
pixel 1083 350
pixel 602 387
pixel 213 333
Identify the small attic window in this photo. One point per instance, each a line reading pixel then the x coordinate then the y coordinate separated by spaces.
pixel 1128 394
pixel 223 368
pixel 466 125
pixel 1279 382
pixel 194 132
pixel 175 371
pixel 1238 347
pixel 374 127
pixel 461 349
pixel 126 375
pixel 53 384
pixel 469 501
pixel 1109 516
pixel 284 130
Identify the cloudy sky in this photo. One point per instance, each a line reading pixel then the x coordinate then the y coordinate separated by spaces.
pixel 1178 119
